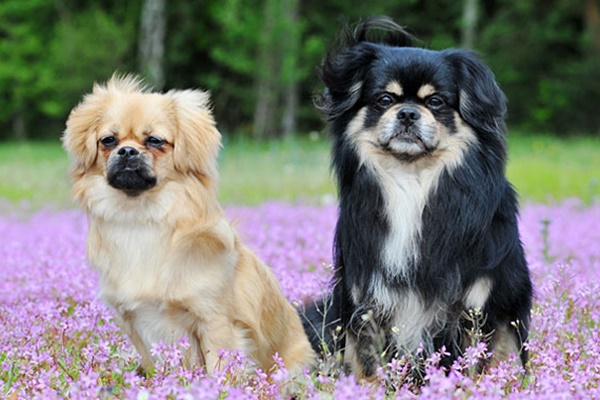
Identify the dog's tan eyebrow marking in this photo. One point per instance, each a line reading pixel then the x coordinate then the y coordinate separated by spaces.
pixel 426 90
pixel 394 87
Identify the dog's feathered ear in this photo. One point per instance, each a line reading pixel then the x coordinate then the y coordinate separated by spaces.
pixel 79 138
pixel 344 68
pixel 343 75
pixel 482 103
pixel 197 141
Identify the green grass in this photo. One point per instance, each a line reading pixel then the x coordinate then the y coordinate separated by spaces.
pixel 250 172
pixel 542 168
pixel 35 172
pixel 289 169
pixel 546 168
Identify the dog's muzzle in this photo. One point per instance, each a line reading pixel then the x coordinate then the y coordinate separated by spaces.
pixel 129 171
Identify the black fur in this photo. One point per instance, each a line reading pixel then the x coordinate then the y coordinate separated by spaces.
pixel 469 222
pixel 129 172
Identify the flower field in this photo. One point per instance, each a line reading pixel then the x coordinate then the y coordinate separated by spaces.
pixel 58 341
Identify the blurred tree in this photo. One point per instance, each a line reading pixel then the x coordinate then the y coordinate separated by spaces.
pixel 539 51
pixel 23 41
pixel 267 73
pixel 289 70
pixel 592 65
pixel 87 46
pixel 51 54
pixel 469 24
pixel 592 25
pixel 152 41
pixel 236 56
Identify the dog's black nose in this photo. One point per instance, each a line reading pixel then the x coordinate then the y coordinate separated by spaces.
pixel 408 115
pixel 128 152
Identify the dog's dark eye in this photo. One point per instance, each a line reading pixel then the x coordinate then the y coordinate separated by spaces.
pixel 109 141
pixel 385 101
pixel 153 141
pixel 435 102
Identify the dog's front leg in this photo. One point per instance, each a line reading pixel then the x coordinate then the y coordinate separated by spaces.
pixel 127 324
pixel 365 344
pixel 216 334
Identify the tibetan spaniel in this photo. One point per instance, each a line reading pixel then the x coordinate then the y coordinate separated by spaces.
pixel 171 265
pixel 427 252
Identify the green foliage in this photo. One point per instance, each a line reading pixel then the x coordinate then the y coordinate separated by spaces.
pixel 22 45
pixel 86 47
pixel 215 47
pixel 52 51
pixel 543 61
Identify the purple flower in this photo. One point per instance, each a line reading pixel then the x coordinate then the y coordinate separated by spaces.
pixel 58 341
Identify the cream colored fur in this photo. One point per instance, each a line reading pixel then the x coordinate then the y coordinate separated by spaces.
pixel 170 264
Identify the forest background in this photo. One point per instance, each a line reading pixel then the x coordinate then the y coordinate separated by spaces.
pixel 259 58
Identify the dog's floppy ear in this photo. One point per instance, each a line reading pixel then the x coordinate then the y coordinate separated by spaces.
pixel 344 68
pixel 79 138
pixel 482 103
pixel 343 75
pixel 197 141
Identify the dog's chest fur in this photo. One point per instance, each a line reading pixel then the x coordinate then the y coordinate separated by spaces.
pixel 145 280
pixel 405 192
pixel 406 189
pixel 392 290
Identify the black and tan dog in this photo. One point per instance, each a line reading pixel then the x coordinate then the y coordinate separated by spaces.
pixel 427 226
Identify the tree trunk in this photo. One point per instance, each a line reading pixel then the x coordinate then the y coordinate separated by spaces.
pixel 469 23
pixel 152 41
pixel 18 126
pixel 592 30
pixel 290 111
pixel 267 86
pixel 290 70
pixel 592 26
